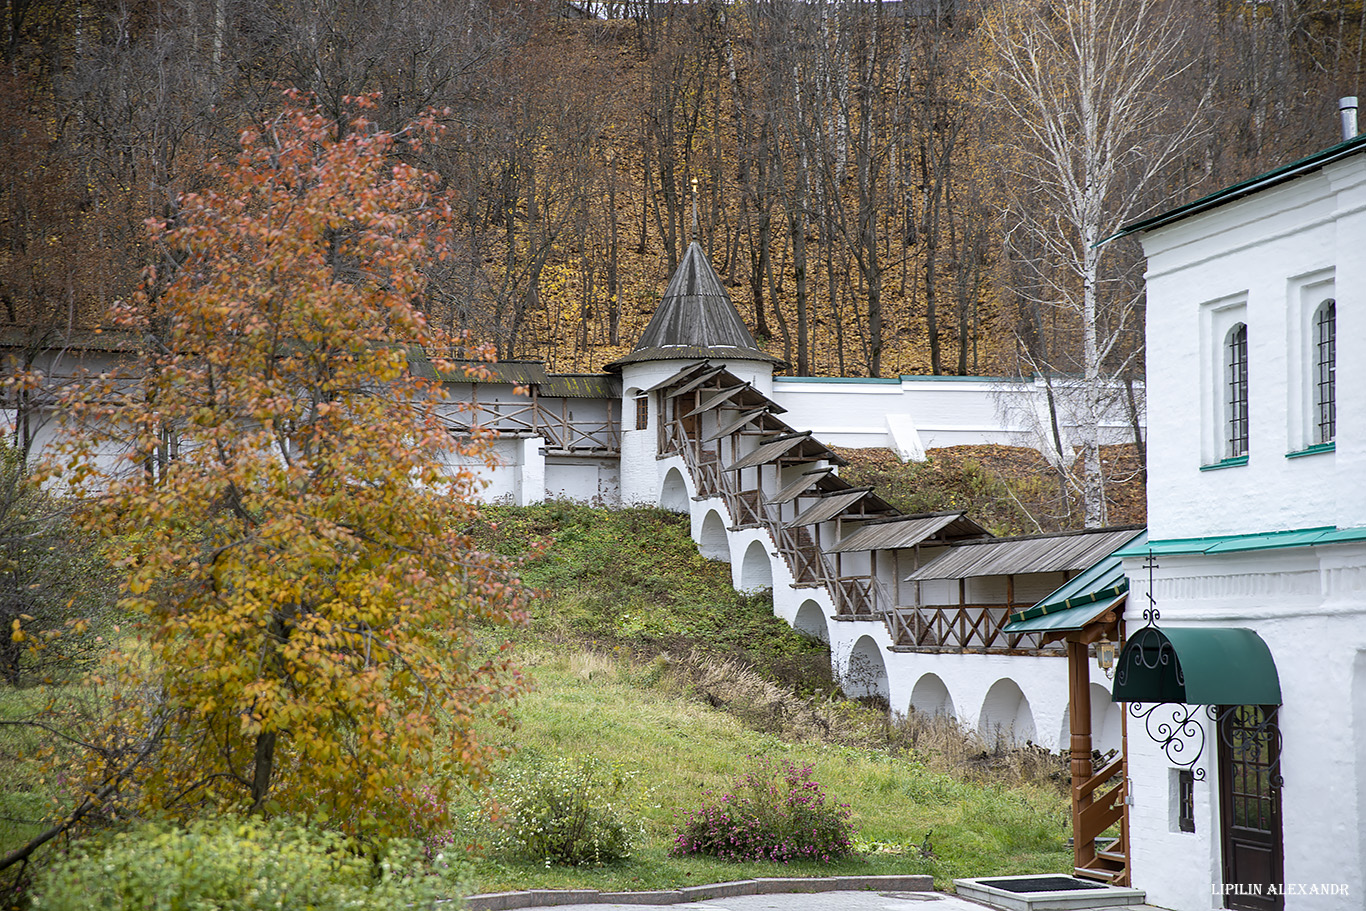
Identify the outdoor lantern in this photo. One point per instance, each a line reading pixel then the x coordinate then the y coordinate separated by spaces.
pixel 1105 655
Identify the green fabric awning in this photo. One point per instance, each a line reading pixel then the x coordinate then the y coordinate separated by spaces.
pixel 1196 666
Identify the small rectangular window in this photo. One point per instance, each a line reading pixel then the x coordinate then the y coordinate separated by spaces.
pixel 642 413
pixel 1185 798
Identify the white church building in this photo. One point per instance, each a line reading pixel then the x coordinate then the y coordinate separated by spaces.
pixel 1244 670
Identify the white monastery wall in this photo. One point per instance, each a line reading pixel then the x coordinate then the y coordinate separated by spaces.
pixel 504 478
pixel 916 413
pixel 585 479
pixel 640 476
pixel 1010 697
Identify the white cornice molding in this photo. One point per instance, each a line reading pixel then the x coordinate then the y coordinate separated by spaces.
pixel 1210 586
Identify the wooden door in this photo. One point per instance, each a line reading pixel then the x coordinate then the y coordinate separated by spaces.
pixel 1250 808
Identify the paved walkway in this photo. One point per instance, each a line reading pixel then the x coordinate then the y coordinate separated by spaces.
pixel 812 901
pixel 822 901
pixel 836 893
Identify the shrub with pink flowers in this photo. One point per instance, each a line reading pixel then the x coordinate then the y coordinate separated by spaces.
pixel 773 813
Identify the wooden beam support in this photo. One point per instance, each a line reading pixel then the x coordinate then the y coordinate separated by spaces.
pixel 1079 710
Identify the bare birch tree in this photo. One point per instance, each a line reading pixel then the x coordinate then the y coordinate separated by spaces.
pixel 1095 98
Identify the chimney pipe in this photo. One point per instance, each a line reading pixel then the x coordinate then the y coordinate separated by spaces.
pixel 1347 108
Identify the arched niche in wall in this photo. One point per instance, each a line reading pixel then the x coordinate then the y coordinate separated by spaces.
pixel 810 619
pixel 673 495
pixel 712 541
pixel 756 569
pixel 931 697
pixel 1006 718
pixel 865 674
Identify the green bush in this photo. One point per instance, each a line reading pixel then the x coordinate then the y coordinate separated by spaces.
pixel 229 864
pixel 566 813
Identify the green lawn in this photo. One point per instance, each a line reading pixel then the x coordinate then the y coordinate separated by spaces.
pixel 588 706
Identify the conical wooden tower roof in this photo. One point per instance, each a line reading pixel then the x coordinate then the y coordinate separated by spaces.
pixel 695 319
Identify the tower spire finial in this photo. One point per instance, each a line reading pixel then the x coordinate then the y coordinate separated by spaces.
pixel 693 236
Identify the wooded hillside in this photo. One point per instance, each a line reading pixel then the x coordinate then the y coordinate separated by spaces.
pixel 867 174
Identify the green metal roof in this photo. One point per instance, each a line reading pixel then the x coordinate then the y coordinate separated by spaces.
pixel 1080 599
pixel 1197 666
pixel 1306 165
pixel 1223 544
pixel 905 377
pixel 1063 619
pixel 877 380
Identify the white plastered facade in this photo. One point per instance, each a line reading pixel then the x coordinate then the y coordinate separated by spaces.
pixel 1267 260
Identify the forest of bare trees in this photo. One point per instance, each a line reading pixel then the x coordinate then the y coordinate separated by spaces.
pixel 887 187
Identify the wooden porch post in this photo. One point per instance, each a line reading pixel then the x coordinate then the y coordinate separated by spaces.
pixel 1079 708
pixel 896 578
pixel 872 579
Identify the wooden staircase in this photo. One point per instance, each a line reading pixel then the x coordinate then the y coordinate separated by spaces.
pixel 748 509
pixel 1095 809
pixel 1111 864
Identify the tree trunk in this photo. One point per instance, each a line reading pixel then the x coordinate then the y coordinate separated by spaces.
pixel 263 767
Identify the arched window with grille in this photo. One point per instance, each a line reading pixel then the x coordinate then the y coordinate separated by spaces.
pixel 1235 384
pixel 1325 372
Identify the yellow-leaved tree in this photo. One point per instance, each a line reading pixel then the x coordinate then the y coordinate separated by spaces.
pixel 290 504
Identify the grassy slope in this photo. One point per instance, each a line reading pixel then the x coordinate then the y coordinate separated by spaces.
pixel 631 581
pixel 588 705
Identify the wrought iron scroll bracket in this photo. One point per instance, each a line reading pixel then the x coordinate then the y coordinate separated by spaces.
pixel 1181 736
pixel 1179 731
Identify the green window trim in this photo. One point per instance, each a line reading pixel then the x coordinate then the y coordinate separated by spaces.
pixel 1225 463
pixel 1316 449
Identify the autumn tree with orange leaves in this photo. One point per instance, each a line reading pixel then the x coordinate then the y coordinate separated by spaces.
pixel 308 599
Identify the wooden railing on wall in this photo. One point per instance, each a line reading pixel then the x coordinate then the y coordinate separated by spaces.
pixel 962 626
pixel 601 436
pixel 804 559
